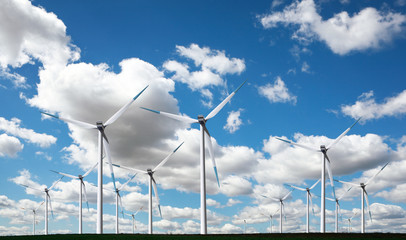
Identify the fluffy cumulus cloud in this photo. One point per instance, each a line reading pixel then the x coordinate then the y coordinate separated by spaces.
pixel 277 92
pixel 30 33
pixel 13 127
pixel 342 33
pixel 9 146
pixel 211 65
pixel 233 121
pixel 367 108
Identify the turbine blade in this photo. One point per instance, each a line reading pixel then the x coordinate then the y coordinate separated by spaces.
pixel 287 195
pixel 210 148
pixel 272 198
pixel 130 169
pixel 156 195
pixel 330 174
pixel 223 103
pixel 39 206
pixel 120 112
pixel 50 204
pixel 174 116
pixel 75 122
pixel 167 158
pixel 84 193
pixel 65 174
pixel 138 211
pixel 344 193
pixel 283 210
pixel 26 186
pixel 125 184
pixel 311 202
pixel 349 183
pixel 90 170
pixel 298 188
pixel 107 151
pixel 330 199
pixel 299 145
pixel 376 174
pixel 315 184
pixel 366 199
pixel 342 135
pixel 53 185
pixel 120 202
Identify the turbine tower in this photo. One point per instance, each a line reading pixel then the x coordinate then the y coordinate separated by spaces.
pixel 282 206
pixel 203 131
pixel 102 142
pixel 364 195
pixel 47 200
pixel 349 222
pixel 336 200
pixel 34 213
pixel 309 200
pixel 325 163
pixel 152 183
pixel 82 187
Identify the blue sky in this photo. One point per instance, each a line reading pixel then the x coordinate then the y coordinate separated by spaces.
pixel 312 69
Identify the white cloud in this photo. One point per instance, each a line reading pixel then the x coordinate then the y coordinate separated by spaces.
pixel 342 33
pixel 30 33
pixel 9 146
pixel 278 92
pixel 13 127
pixel 305 67
pixel 233 121
pixel 367 108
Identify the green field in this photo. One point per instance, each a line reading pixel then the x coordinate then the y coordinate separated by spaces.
pixel 291 236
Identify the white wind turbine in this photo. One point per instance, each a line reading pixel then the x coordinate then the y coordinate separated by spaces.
pixel 82 187
pixel 282 206
pixel 349 222
pixel 325 163
pixel 336 200
pixel 34 213
pixel 102 142
pixel 203 130
pixel 152 183
pixel 118 200
pixel 47 199
pixel 270 216
pixel 133 217
pixel 309 200
pixel 364 195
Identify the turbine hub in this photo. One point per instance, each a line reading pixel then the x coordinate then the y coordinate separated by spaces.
pixel 150 172
pixel 201 119
pixel 323 148
pixel 100 125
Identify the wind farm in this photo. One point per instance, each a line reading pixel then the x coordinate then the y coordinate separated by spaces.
pixel 264 119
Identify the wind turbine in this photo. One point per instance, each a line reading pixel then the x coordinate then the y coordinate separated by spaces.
pixel 82 187
pixel 203 131
pixel 34 213
pixel 325 163
pixel 364 195
pixel 47 198
pixel 270 216
pixel 102 142
pixel 152 182
pixel 309 200
pixel 336 200
pixel 118 200
pixel 349 222
pixel 133 217
pixel 281 207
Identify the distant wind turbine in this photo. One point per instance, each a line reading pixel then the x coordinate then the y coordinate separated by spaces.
pixel 349 222
pixel 282 206
pixel 204 132
pixel 34 213
pixel 270 216
pixel 336 200
pixel 364 195
pixel 150 173
pixel 325 163
pixel 82 187
pixel 133 217
pixel 47 199
pixel 309 200
pixel 102 142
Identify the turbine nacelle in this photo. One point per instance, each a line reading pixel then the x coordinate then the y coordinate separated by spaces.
pixel 150 172
pixel 100 125
pixel 323 149
pixel 201 119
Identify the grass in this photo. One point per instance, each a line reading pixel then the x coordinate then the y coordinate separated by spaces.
pixel 290 236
